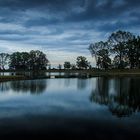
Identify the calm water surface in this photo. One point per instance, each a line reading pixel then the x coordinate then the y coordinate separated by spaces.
pixel 98 108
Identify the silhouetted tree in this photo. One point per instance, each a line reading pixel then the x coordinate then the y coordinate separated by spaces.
pixel 67 65
pixel 96 47
pixel 35 60
pixel 103 59
pixel 25 58
pixel 15 61
pixel 134 52
pixel 82 62
pixel 38 60
pixel 73 66
pixel 59 66
pixel 118 41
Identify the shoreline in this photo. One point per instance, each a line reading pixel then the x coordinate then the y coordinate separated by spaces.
pixel 70 74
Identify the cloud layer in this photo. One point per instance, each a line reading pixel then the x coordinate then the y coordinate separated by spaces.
pixel 61 28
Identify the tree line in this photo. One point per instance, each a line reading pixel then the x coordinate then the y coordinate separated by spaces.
pixel 33 60
pixel 121 50
pixel 81 63
pixel 36 60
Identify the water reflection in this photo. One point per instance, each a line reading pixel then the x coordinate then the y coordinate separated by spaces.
pixel 121 95
pixel 81 84
pixel 4 86
pixel 67 82
pixel 24 86
pixel 32 86
pixel 64 109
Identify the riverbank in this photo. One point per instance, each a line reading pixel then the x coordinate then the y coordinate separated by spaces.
pixel 22 75
pixel 12 78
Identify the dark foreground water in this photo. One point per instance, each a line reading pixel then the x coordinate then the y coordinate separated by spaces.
pixel 97 108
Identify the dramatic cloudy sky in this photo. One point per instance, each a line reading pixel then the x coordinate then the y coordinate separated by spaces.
pixel 63 29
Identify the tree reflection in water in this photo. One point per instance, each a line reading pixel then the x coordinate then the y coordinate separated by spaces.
pixel 121 95
pixel 32 86
pixel 81 83
pixel 4 86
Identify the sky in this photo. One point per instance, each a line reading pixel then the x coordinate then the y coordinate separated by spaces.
pixel 63 29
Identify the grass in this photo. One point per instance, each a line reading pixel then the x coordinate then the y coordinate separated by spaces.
pixel 81 74
pixel 12 78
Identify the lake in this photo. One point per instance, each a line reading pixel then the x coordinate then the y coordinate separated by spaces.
pixel 95 108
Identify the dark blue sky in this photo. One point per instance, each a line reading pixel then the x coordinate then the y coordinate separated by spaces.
pixel 63 29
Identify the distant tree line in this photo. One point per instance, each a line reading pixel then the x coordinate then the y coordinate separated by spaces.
pixel 33 60
pixel 81 63
pixel 121 50
pixel 36 60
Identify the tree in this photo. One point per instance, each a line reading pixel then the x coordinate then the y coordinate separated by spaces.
pixel 94 49
pixel 73 66
pixel 118 42
pixel 82 62
pixel 134 52
pixel 4 57
pixel 15 61
pixel 59 66
pixel 38 60
pixel 19 61
pixel 103 59
pixel 115 62
pixel 25 58
pixel 49 66
pixel 99 62
pixel 67 65
pixel 35 60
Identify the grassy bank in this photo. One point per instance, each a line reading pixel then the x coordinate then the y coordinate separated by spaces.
pixel 70 74
pixel 12 78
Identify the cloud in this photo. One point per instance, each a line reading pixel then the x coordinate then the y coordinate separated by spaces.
pixel 67 26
